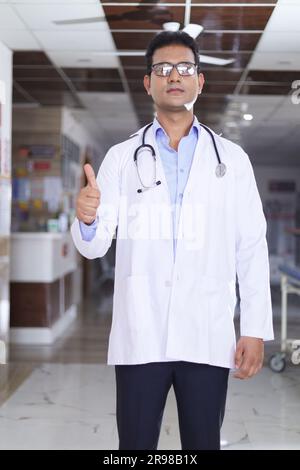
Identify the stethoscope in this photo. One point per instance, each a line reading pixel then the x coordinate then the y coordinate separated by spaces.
pixel 220 168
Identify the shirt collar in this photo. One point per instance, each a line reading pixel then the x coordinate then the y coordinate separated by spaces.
pixel 194 127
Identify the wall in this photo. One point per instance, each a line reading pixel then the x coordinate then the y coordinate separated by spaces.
pixel 73 126
pixel 5 192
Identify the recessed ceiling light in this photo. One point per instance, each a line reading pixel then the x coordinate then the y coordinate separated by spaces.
pixel 248 117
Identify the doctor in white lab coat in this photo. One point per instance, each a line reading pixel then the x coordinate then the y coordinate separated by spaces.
pixel 174 294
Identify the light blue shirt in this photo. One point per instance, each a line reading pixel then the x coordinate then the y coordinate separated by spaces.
pixel 176 164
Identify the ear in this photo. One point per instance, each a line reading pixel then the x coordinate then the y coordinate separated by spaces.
pixel 201 81
pixel 147 83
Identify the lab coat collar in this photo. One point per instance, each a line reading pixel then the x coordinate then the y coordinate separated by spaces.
pixel 200 155
pixel 157 125
pixel 195 125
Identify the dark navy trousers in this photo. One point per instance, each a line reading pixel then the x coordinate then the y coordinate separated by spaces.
pixel 141 394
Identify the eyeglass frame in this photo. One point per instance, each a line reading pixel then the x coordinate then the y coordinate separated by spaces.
pixel 176 65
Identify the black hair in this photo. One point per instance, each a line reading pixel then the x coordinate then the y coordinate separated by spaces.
pixel 166 38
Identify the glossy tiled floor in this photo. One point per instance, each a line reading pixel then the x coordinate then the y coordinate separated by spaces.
pixel 63 397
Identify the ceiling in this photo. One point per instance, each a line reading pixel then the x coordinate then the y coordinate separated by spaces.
pixel 91 66
pixel 272 137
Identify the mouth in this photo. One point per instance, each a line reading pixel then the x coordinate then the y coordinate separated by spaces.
pixel 177 91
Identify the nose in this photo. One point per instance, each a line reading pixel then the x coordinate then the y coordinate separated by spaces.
pixel 174 76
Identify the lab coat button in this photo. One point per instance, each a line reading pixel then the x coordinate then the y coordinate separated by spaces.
pixel 168 283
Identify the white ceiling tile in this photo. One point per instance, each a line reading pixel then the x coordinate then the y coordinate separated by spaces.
pixel 263 104
pixel 288 2
pixel 76 41
pixel 279 46
pixel 285 18
pixel 82 59
pixel 120 118
pixel 275 61
pixel 259 113
pixel 9 19
pixel 41 17
pixel 287 113
pixel 275 126
pixel 117 105
pixel 19 40
pixel 278 41
pixel 51 1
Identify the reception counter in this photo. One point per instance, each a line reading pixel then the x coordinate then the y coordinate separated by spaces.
pixel 45 286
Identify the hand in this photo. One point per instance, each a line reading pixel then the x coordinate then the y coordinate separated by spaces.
pixel 89 198
pixel 249 357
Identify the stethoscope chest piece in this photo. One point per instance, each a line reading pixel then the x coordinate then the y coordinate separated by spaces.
pixel 220 170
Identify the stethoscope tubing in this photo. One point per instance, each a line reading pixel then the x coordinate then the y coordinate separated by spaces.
pixel 220 170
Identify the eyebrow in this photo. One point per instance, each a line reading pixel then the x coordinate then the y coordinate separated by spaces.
pixel 173 63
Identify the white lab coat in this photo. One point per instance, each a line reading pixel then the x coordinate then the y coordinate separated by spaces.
pixel 182 309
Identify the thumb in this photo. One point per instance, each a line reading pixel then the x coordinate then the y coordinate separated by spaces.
pixel 90 175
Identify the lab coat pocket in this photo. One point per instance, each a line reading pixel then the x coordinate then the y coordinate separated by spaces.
pixel 221 293
pixel 210 284
pixel 221 309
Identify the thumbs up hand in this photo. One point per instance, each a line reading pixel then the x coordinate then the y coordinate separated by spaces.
pixel 89 198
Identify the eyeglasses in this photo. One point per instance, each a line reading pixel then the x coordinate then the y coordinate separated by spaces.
pixel 164 69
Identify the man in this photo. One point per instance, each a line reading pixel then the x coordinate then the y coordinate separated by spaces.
pixel 186 227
